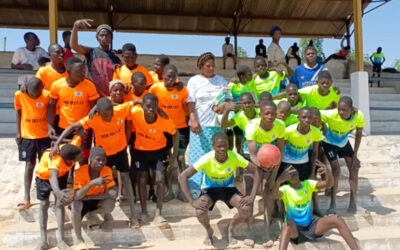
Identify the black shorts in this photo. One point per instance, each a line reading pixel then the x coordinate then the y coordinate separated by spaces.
pixel 224 194
pixel 377 67
pixel 44 189
pixel 145 160
pixel 88 206
pixel 184 134
pixel 304 169
pixel 332 152
pixel 119 160
pixel 30 149
pixel 306 233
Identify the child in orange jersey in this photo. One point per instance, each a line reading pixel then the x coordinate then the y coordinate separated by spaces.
pixel 174 102
pixel 32 138
pixel 150 151
pixel 52 175
pixel 112 131
pixel 159 64
pixel 125 71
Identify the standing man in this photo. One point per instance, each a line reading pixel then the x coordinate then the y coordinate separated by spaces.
pixel 377 59
pixel 227 51
pixel 261 50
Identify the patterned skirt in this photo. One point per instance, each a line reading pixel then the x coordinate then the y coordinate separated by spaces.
pixel 199 145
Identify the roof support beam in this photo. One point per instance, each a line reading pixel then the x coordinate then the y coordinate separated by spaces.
pixel 53 20
pixel 357 15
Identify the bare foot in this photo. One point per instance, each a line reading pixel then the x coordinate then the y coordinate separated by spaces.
pixel 249 243
pixel 62 245
pixel 268 244
pixel 209 240
pixel 160 222
pixel 80 245
pixel 24 205
pixel 42 246
pixel 144 217
pixel 134 223
pixel 231 240
pixel 352 209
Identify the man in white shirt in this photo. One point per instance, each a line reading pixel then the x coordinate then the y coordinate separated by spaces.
pixel 30 57
pixel 227 51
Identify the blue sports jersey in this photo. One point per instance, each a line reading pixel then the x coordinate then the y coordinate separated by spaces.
pixel 304 76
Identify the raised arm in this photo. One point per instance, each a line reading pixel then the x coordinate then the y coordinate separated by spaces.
pixel 225 121
pixel 324 170
pixel 80 24
pixel 67 131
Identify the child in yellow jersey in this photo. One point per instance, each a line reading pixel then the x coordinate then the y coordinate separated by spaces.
pixel 265 80
pixel 219 166
pixel 174 102
pixel 265 130
pixel 32 138
pixel 341 122
pixel 52 175
pixel 322 95
pixel 300 226
pixel 283 113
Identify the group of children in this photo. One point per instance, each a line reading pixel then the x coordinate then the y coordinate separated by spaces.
pixel 60 113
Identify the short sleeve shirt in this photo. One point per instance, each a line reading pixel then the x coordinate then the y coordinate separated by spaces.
pixel 110 135
pixel 255 133
pixel 204 92
pixel 305 76
pixel 378 57
pixel 48 75
pixel 270 84
pixel 82 178
pixel 33 114
pixel 339 129
pixel 312 97
pixel 173 102
pixel 23 55
pixel 150 137
pixel 239 88
pixel 46 165
pixel 298 202
pixel 125 74
pixel 241 120
pixel 216 174
pixel 74 103
pixel 297 145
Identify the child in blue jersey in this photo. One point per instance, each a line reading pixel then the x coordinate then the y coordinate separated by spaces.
pixel 218 184
pixel 299 225
pixel 341 122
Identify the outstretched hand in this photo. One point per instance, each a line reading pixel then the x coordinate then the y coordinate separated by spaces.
pixel 287 174
pixel 54 149
pixel 101 181
pixel 322 168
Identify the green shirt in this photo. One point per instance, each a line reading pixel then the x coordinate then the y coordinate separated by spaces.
pixel 339 129
pixel 378 57
pixel 312 97
pixel 297 144
pixel 270 84
pixel 239 88
pixel 255 133
pixel 218 174
pixel 241 121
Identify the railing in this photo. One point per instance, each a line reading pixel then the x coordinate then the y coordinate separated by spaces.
pixel 16 71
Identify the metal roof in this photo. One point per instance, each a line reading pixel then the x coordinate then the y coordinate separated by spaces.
pixel 297 18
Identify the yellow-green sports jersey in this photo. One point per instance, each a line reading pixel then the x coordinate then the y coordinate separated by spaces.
pixel 255 133
pixel 290 120
pixel 378 57
pixel 239 88
pixel 241 121
pixel 217 174
pixel 297 106
pixel 339 129
pixel 312 98
pixel 297 144
pixel 270 84
pixel 298 202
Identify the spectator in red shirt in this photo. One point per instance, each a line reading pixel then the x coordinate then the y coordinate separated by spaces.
pixel 66 35
pixel 341 55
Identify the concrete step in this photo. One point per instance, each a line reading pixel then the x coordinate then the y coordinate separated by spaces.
pixel 189 228
pixel 346 90
pixel 385 104
pixel 8 128
pixel 385 115
pixel 7 99
pixel 7 92
pixel 8 115
pixel 385 128
pixel 384 97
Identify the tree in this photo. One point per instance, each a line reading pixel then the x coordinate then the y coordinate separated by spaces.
pixel 303 44
pixel 396 65
pixel 367 61
pixel 241 52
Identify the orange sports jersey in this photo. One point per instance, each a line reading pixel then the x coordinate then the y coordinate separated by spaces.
pixel 173 103
pixel 156 80
pixel 125 74
pixel 110 135
pixel 46 165
pixel 33 114
pixel 150 137
pixel 48 75
pixel 82 179
pixel 74 103
pixel 135 97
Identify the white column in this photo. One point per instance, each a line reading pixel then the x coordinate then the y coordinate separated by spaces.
pixel 360 96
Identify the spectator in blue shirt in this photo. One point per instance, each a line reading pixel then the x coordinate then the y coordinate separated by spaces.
pixel 307 73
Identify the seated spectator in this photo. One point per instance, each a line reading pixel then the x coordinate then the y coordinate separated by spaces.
pixel 31 56
pixel 292 56
pixel 261 50
pixel 307 73
pixel 227 51
pixel 341 55
pixel 66 35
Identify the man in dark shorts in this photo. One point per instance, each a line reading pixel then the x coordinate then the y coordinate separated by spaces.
pixel 219 166
pixel 299 225
pixel 377 59
pixel 52 176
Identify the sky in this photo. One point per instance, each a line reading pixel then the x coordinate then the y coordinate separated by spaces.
pixel 378 27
